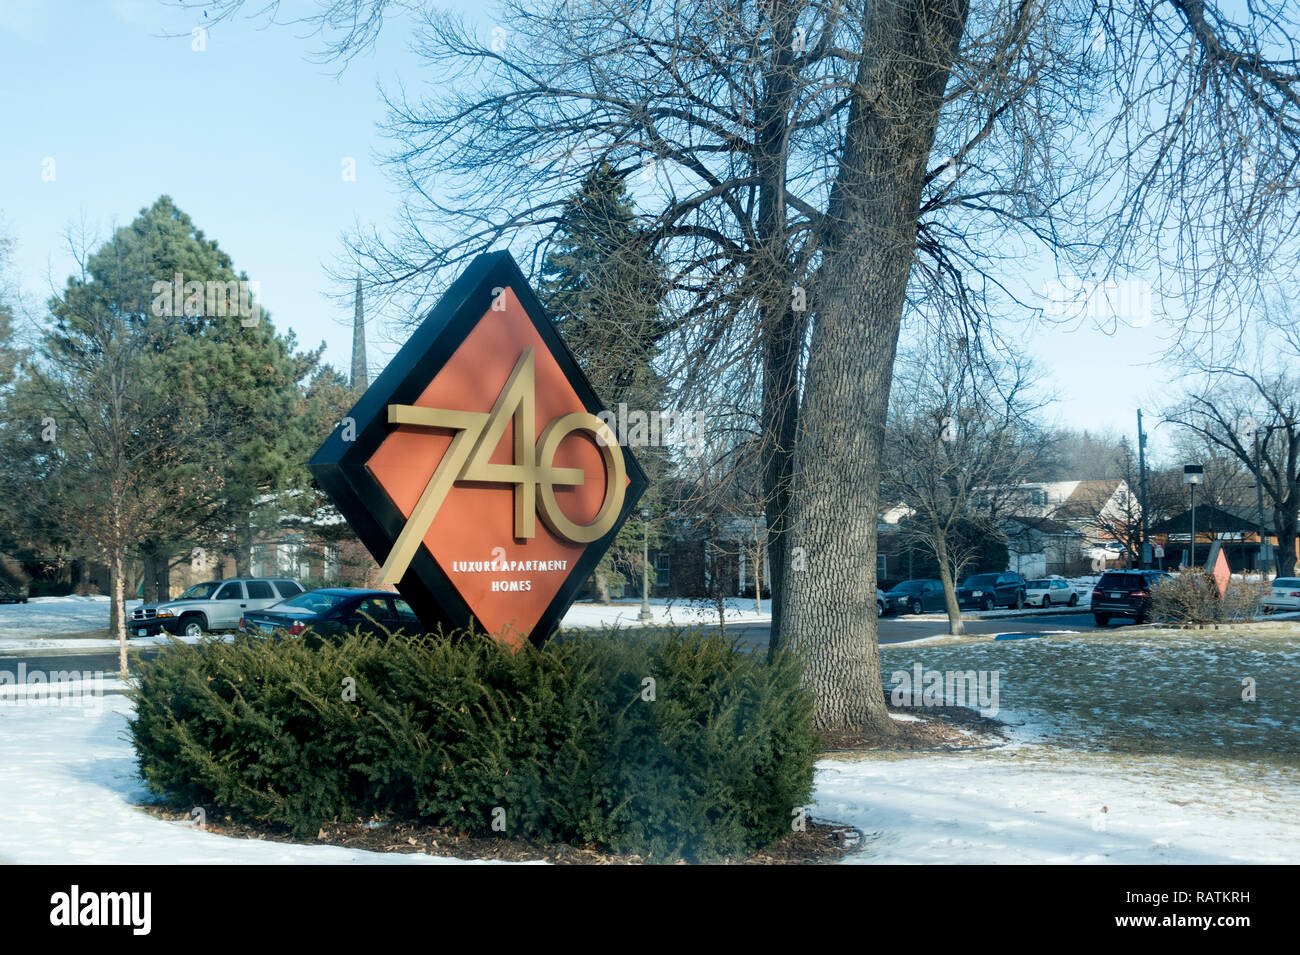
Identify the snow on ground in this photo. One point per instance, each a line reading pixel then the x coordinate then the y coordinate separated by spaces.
pixel 1126 747
pixel 70 790
pixel 69 787
pixel 677 613
pixel 1008 807
pixel 47 615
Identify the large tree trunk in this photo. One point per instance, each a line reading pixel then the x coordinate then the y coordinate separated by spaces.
pixel 859 292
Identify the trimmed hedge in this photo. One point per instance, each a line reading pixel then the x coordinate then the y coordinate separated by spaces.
pixel 556 745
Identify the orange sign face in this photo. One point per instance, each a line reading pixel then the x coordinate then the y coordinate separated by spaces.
pixel 499 483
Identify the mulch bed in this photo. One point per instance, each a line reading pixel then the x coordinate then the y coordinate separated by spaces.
pixel 941 729
pixel 822 842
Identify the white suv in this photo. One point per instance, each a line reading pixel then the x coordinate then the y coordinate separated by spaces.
pixel 212 605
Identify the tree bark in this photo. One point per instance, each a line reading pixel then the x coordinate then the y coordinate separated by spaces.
pixel 117 585
pixel 149 590
pixel 243 548
pixel 956 626
pixel 1285 527
pixel 783 326
pixel 859 295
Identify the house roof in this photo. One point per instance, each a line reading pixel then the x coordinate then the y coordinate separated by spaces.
pixel 1215 518
pixel 1044 525
pixel 1088 498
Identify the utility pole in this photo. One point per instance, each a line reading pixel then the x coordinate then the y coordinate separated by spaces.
pixel 1142 493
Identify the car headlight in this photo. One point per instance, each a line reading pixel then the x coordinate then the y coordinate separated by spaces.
pixel 165 613
pixel 977 593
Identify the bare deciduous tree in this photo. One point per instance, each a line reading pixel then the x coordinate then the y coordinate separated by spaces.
pixel 807 167
pixel 961 433
pixel 1254 417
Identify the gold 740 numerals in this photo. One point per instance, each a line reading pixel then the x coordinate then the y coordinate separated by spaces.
pixel 533 471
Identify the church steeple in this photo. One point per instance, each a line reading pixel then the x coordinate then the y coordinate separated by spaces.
pixel 360 378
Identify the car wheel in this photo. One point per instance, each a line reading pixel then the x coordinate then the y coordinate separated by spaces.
pixel 1074 600
pixel 915 607
pixel 1103 619
pixel 880 609
pixel 988 604
pixel 194 625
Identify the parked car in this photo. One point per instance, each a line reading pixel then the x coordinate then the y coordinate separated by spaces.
pixel 211 605
pixel 1125 593
pixel 1047 591
pixel 915 596
pixel 1283 594
pixel 330 613
pixel 986 591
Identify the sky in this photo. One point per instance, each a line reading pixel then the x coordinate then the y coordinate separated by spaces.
pixel 108 104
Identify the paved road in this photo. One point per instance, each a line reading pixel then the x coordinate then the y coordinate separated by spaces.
pixel 892 630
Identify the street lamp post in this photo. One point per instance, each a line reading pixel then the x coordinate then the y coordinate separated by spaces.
pixel 1192 476
pixel 645 616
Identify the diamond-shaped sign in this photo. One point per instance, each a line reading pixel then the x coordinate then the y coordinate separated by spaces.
pixel 475 468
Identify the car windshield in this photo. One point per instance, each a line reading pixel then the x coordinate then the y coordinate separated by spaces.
pixel 1039 584
pixel 1122 581
pixel 982 580
pixel 317 601
pixel 200 591
pixel 908 587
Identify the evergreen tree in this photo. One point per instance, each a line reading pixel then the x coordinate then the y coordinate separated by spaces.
pixel 603 285
pixel 176 404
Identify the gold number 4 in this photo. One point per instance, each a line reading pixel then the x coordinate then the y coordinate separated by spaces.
pixel 532 471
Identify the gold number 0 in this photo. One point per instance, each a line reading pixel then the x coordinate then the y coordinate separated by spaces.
pixel 533 471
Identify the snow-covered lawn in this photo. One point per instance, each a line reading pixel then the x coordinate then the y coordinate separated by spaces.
pixel 1125 747
pixel 69 791
pixel 47 615
pixel 1027 805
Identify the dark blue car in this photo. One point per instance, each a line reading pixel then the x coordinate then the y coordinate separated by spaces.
pixel 334 612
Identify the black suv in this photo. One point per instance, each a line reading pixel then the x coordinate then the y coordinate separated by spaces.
pixel 986 591
pixel 1124 593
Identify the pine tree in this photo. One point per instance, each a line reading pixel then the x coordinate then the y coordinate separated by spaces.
pixel 603 285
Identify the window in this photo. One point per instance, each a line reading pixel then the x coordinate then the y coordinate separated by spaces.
pixel 882 566
pixel 372 610
pixel 232 591
pixel 260 590
pixel 318 601
pixel 404 611
pixel 200 591
pixel 661 563
pixel 289 554
pixel 288 588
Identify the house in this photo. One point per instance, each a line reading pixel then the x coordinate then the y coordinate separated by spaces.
pixel 1238 528
pixel 1041 546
